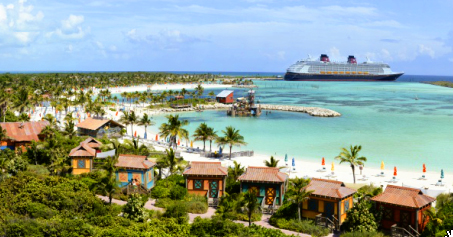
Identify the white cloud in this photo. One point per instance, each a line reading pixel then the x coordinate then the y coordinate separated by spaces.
pixel 72 22
pixel 71 29
pixel 164 39
pixel 422 49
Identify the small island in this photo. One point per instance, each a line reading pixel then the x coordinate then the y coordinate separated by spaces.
pixel 442 83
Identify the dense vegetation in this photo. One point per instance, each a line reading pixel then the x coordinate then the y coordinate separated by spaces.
pixel 442 83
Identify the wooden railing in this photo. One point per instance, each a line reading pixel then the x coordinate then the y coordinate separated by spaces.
pixel 325 222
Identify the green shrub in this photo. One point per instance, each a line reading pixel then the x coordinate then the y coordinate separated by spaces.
pixel 134 209
pixel 197 207
pixel 164 202
pixel 177 210
pixel 39 210
pixel 38 169
pixel 178 192
pixel 303 226
pixel 112 109
pixel 362 234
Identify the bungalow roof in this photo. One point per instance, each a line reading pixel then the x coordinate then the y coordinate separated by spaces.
pixel 95 124
pixel 24 131
pixel 329 188
pixel 263 174
pixel 206 168
pixel 134 162
pixel 404 196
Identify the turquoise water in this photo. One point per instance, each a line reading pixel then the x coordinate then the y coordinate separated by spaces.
pixel 385 118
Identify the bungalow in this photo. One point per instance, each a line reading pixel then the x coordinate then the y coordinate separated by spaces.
pixel 20 134
pixel 404 207
pixel 83 155
pixel 206 178
pixel 268 183
pixel 136 170
pixel 225 97
pixel 99 127
pixel 329 198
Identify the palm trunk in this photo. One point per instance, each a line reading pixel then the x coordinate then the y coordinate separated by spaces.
pixel 110 198
pixel 132 130
pixel 353 171
pixel 231 147
pixel 210 143
pixel 298 207
pixel 250 218
pixel 204 145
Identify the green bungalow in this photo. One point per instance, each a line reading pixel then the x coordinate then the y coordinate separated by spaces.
pixel 268 183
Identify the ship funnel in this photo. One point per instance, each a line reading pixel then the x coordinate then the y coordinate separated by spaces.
pixel 351 59
pixel 324 58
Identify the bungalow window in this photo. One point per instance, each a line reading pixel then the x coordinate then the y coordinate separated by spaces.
pixel 388 214
pixel 81 164
pixel 346 206
pixel 198 184
pixel 312 205
pixel 254 190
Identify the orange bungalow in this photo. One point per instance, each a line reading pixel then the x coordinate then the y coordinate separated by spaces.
pixel 21 134
pixel 83 155
pixel 99 127
pixel 268 183
pixel 404 207
pixel 206 178
pixel 330 198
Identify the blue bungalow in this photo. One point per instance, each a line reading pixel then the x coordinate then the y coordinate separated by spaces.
pixel 268 183
pixel 135 170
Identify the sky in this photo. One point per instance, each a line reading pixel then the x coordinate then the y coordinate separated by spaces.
pixel 415 37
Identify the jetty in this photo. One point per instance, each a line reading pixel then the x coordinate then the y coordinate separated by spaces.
pixel 313 111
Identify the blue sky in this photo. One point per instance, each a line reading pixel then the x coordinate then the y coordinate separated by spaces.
pixel 249 35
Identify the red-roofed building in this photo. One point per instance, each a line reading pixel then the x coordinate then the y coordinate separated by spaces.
pixel 403 206
pixel 268 183
pixel 206 178
pixel 135 170
pixel 82 158
pixel 330 198
pixel 99 127
pixel 21 134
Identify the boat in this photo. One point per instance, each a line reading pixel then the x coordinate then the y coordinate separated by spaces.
pixel 324 70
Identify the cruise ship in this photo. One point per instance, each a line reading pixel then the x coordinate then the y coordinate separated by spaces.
pixel 324 70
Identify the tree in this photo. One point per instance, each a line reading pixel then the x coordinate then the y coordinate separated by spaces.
pixel 272 162
pixel 134 208
pixel 174 129
pixel 251 204
pixel 146 121
pixel 351 157
pixel 236 171
pixel 298 193
pixel 211 94
pixel 21 100
pixel 199 90
pixel 108 184
pixel 231 138
pixel 69 129
pixel 201 134
pixel 212 136
pixel 3 134
pixel 170 161
pixel 129 118
pixel 359 218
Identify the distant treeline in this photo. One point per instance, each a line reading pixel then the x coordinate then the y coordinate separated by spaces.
pixel 442 83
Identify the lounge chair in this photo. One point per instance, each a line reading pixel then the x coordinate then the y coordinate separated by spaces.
pixel 323 169
pixel 393 180
pixel 440 183
pixel 422 177
pixel 364 178
pixel 381 174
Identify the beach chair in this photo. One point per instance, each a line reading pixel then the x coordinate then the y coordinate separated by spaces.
pixel 323 169
pixel 364 178
pixel 423 177
pixel 440 183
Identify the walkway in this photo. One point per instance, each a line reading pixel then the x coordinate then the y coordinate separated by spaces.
pixel 264 222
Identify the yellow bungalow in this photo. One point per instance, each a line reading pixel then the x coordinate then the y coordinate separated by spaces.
pixel 206 179
pixel 82 158
pixel 329 198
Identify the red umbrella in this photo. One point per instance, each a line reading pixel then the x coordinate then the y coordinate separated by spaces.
pixel 323 161
pixel 179 142
pixel 157 136
pixel 394 171
pixel 116 113
pixel 135 134
pixel 424 168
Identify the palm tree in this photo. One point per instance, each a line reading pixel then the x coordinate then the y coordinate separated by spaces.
pixel 232 138
pixel 108 184
pixel 272 162
pixel 170 161
pixel 212 135
pixel 3 134
pixel 69 129
pixel 201 134
pixel 133 146
pixel 251 204
pixel 174 129
pixel 298 193
pixel 211 94
pixel 199 90
pixel 146 121
pixel 236 171
pixel 129 118
pixel 21 101
pixel 351 157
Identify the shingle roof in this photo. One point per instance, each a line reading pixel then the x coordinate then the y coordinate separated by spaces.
pixel 329 188
pixel 82 150
pixel 206 168
pixel 91 142
pixel 24 131
pixel 134 161
pixel 94 124
pixel 403 196
pixel 263 174
pixel 224 93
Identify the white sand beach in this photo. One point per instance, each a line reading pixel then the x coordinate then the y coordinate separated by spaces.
pixel 162 87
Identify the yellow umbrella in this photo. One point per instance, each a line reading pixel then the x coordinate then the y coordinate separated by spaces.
pixel 382 165
pixel 333 167
pixel 191 144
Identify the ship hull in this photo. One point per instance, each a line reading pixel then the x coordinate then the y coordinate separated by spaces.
pixel 289 76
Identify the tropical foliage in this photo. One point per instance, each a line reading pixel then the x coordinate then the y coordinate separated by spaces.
pixel 231 138
pixel 173 129
pixel 352 157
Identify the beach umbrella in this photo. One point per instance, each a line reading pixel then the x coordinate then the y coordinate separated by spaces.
pixel 333 167
pixel 135 134
pixel 442 173
pixel 286 159
pixel 116 113
pixel 323 162
pixel 220 150
pixel 157 137
pixel 394 171
pixel 179 142
pixel 145 136
pixel 191 144
pixel 424 168
pixel 382 165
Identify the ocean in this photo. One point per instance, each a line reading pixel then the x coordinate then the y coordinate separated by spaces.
pixel 402 123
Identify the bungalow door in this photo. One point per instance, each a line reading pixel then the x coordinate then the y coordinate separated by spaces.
pixel 270 195
pixel 214 189
pixel 405 219
pixel 329 209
